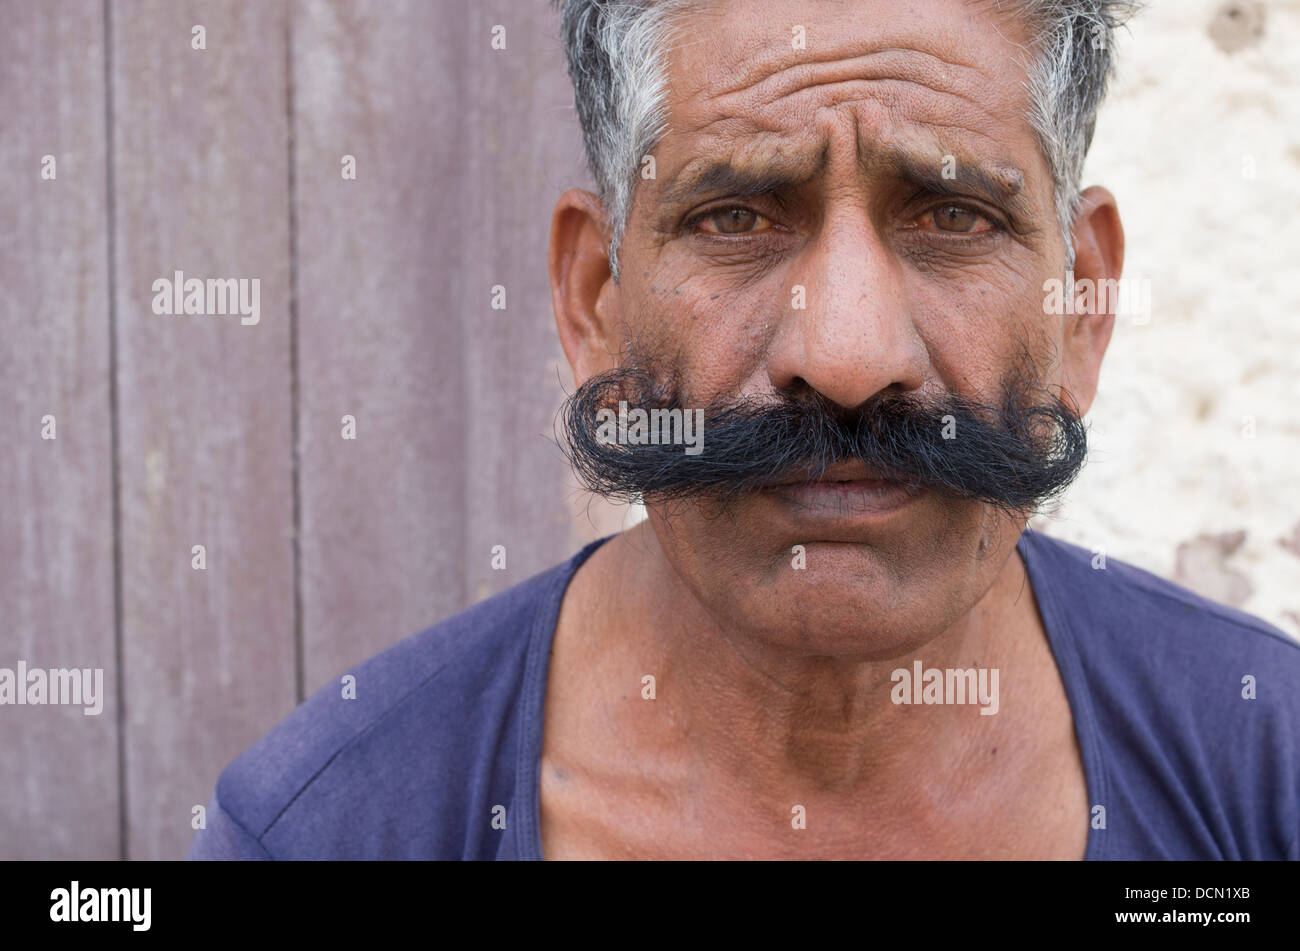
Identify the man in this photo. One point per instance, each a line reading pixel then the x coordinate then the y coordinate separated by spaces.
pixel 807 319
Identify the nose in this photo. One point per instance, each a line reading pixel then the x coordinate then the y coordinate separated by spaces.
pixel 855 336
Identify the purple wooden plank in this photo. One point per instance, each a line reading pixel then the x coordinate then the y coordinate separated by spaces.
pixel 523 147
pixel 456 149
pixel 382 514
pixel 60 785
pixel 201 164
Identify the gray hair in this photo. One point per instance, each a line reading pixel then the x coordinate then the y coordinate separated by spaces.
pixel 615 54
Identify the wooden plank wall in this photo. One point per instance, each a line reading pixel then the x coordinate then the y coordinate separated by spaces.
pixel 176 431
pixel 59 772
pixel 205 455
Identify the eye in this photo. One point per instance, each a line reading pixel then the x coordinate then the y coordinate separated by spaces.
pixel 731 221
pixel 957 219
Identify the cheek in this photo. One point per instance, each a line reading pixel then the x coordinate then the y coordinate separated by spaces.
pixel 975 333
pixel 712 325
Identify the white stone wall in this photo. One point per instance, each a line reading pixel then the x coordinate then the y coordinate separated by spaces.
pixel 1195 466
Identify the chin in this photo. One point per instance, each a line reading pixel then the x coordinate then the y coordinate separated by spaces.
pixel 850 600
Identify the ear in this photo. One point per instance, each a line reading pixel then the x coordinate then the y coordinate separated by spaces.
pixel 1098 257
pixel 583 292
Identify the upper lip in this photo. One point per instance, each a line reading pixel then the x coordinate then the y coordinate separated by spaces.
pixel 837 472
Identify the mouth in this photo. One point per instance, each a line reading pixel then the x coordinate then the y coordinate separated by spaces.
pixel 844 491
pixel 842 473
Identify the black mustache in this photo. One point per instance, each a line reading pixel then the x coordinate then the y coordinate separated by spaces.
pixel 1015 455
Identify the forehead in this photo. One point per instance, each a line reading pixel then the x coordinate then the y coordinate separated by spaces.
pixel 918 79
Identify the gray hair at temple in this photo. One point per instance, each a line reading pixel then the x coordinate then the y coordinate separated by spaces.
pixel 614 49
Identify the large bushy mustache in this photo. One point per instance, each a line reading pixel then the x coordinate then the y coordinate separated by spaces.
pixel 1015 455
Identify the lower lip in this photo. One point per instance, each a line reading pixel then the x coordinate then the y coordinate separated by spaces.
pixel 863 497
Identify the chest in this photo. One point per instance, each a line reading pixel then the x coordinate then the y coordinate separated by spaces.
pixel 1039 810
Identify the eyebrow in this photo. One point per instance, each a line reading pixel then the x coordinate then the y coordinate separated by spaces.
pixel 781 174
pixel 1001 184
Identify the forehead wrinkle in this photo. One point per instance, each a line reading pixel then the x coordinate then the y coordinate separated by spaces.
pixel 933 107
pixel 891 64
pixel 766 80
pixel 797 106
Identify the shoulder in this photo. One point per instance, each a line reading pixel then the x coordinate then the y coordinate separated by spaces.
pixel 1196 706
pixel 406 758
pixel 1132 611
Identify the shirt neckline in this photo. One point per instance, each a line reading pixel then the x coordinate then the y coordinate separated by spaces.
pixel 1060 639
pixel 1063 640
pixel 528 772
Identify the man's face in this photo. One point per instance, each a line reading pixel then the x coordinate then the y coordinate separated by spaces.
pixel 850 202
